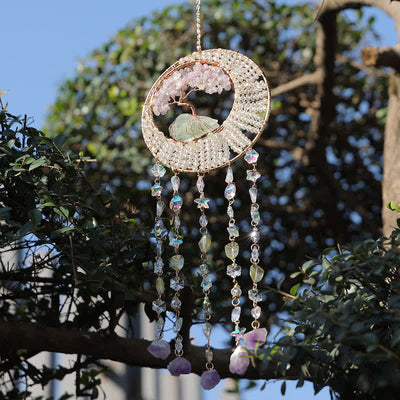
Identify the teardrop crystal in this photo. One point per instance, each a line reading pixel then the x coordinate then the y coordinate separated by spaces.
pixel 229 175
pixel 253 194
pixel 232 250
pixel 160 207
pixel 175 182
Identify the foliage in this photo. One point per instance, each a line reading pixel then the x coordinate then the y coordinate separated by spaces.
pixel 343 326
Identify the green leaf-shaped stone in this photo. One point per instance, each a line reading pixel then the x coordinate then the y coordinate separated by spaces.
pixel 188 127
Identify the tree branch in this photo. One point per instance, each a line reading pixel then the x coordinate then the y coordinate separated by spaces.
pixel 37 338
pixel 308 79
pixel 381 57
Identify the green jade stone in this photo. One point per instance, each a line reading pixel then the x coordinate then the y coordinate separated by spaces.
pixel 256 273
pixel 188 127
pixel 232 250
pixel 205 243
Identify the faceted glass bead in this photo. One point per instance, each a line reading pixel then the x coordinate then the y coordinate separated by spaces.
pixel 256 273
pixel 160 285
pixel 200 184
pixel 207 329
pixel 202 202
pixel 254 295
pixel 229 175
pixel 173 240
pixel 177 222
pixel 158 170
pixel 235 316
pixel 176 303
pixel 253 194
pixel 158 306
pixel 159 248
pixel 175 182
pixel 203 269
pixel 236 291
pixel 203 220
pixel 234 270
pixel 256 312
pixel 160 324
pixel 206 284
pixel 156 190
pixel 255 235
pixel 158 266
pixel 178 344
pixel 233 230
pixel 209 355
pixel 205 243
pixel 252 175
pixel 176 203
pixel 158 227
pixel 178 325
pixel 206 303
pixel 251 156
pixel 230 212
pixel 160 207
pixel 176 262
pixel 255 255
pixel 254 213
pixel 232 250
pixel 230 191
pixel 176 284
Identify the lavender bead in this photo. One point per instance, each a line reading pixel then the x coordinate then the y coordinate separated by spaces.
pixel 239 361
pixel 179 366
pixel 209 379
pixel 256 337
pixel 159 349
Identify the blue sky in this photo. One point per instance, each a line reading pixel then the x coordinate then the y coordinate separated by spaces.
pixel 42 42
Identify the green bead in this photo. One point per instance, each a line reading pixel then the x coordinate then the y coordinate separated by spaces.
pixel 232 250
pixel 205 243
pixel 176 262
pixel 160 285
pixel 256 273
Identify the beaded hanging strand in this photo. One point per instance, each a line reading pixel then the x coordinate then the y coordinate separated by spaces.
pixel 256 272
pixel 159 348
pixel 232 250
pixel 210 377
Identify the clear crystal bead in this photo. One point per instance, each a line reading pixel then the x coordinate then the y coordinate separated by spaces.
pixel 236 291
pixel 158 306
pixel 158 227
pixel 156 190
pixel 209 355
pixel 176 303
pixel 178 325
pixel 200 184
pixel 252 175
pixel 256 312
pixel 235 316
pixel 159 248
pixel 178 344
pixel 203 220
pixel 233 230
pixel 160 207
pixel 253 194
pixel 230 212
pixel 176 262
pixel 176 284
pixel 234 270
pixel 207 329
pixel 251 156
pixel 203 269
pixel 158 266
pixel 177 222
pixel 205 243
pixel 206 284
pixel 176 203
pixel 255 235
pixel 254 213
pixel 160 324
pixel 229 175
pixel 230 191
pixel 232 250
pixel 254 295
pixel 158 170
pixel 175 182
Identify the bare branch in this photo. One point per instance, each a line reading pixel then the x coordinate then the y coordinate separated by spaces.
pixel 308 79
pixel 381 57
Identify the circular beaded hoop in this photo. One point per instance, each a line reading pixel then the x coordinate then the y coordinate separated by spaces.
pixel 240 130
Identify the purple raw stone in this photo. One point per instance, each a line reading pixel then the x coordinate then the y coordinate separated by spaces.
pixel 239 361
pixel 179 366
pixel 159 349
pixel 209 379
pixel 256 337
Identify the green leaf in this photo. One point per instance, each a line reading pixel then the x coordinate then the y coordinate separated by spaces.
pixel 294 289
pixel 35 216
pixel 37 163
pixel 393 206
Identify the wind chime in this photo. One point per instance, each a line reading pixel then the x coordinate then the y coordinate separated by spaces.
pixel 198 144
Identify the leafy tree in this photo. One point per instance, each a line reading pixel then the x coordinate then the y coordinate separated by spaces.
pixel 67 204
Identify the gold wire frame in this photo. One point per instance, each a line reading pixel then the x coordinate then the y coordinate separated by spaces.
pixel 241 91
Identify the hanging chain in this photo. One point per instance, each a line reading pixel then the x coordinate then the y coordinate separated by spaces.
pixel 198 25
